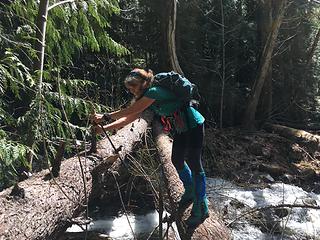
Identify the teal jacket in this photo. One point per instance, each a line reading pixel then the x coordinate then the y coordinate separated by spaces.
pixel 168 105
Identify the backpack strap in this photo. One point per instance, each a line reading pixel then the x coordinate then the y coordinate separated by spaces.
pixel 166 124
pixel 185 111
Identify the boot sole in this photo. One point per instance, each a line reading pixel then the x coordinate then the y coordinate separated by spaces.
pixel 203 218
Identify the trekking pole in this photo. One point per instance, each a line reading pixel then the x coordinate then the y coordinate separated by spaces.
pixel 116 150
pixel 94 140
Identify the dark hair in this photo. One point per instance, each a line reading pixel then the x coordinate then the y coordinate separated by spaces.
pixel 138 76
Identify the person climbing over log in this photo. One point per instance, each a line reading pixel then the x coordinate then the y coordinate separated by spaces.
pixel 177 116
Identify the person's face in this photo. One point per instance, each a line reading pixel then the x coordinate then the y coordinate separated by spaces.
pixel 136 89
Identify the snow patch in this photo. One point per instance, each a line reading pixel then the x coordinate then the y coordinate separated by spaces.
pixel 300 223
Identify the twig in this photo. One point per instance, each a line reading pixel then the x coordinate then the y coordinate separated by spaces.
pixel 123 206
pixel 150 235
pixel 272 207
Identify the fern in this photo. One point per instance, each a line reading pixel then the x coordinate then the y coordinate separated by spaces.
pixel 76 84
pixel 12 157
pixel 75 105
pixel 14 75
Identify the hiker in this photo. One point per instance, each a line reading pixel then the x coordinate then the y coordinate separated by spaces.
pixel 187 125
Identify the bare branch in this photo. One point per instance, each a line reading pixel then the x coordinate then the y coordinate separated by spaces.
pixel 272 207
pixel 59 3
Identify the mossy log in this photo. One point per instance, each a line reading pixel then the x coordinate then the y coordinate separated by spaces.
pixel 212 228
pixel 41 207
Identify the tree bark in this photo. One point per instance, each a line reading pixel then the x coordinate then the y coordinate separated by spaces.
pixel 223 73
pixel 169 55
pixel 41 33
pixel 212 228
pixel 174 62
pixel 249 116
pixel 46 205
pixel 314 47
pixel 264 20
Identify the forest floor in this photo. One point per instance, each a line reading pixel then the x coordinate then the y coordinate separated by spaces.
pixel 260 158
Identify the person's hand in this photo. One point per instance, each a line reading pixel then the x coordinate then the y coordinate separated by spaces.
pixel 107 117
pixel 96 118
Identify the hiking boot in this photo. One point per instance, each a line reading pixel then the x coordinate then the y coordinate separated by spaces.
pixel 200 209
pixel 189 193
pixel 199 213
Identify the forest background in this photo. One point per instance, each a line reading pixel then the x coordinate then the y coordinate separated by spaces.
pixel 254 62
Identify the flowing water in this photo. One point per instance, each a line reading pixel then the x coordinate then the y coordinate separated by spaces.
pixel 232 202
pixel 281 223
pixel 110 225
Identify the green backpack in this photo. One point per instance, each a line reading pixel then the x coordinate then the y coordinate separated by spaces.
pixel 184 90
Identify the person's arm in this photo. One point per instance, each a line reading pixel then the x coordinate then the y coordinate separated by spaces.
pixel 121 122
pixel 128 114
pixel 137 107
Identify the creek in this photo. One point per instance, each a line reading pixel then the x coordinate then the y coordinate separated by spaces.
pixel 231 202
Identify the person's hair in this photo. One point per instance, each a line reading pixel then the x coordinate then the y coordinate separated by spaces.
pixel 139 76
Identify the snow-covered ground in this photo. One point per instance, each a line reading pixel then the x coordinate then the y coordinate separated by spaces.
pixel 293 223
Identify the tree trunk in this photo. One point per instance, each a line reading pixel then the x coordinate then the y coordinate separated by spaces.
pixel 38 64
pixel 212 228
pixel 41 33
pixel 294 134
pixel 264 25
pixel 249 116
pixel 314 47
pixel 223 74
pixel 45 205
pixel 169 55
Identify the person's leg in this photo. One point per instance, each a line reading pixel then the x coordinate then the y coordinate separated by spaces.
pixel 179 147
pixel 178 154
pixel 200 204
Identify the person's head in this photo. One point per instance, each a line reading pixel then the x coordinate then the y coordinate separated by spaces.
pixel 138 80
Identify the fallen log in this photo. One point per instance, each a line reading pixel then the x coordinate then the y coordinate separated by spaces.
pixel 47 204
pixel 294 134
pixel 212 228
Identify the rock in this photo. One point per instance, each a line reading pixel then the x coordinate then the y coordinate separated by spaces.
pixel 273 169
pixel 310 201
pixel 288 178
pixel 236 204
pixel 267 178
pixel 281 212
pixel 267 222
pixel 308 174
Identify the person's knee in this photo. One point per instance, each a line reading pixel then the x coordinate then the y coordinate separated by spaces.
pixel 195 166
